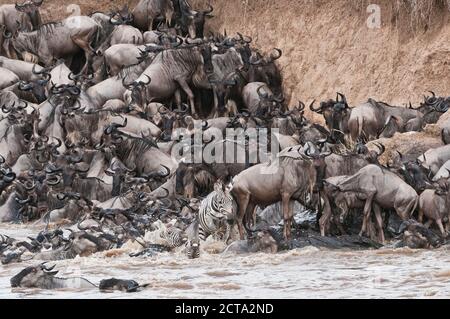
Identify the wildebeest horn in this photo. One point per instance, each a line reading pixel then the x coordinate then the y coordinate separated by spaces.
pixel 45 80
pixel 277 55
pixel 37 72
pixel 125 85
pixel 316 110
pixel 209 10
pixel 73 76
pixel 301 106
pixel 61 196
pixel 179 41
pixel 279 99
pixel 23 201
pixel 242 38
pixel 166 195
pixel 381 148
pixel 400 154
pixel 149 80
pixel 25 86
pixel 54 181
pixel 74 90
pixel 184 110
pixel 2 160
pixel 205 125
pixel 37 3
pixel 10 177
pixel 262 95
pixel 344 99
pixel 29 186
pixel 7 34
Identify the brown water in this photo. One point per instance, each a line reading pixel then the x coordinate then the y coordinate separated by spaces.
pixel 303 273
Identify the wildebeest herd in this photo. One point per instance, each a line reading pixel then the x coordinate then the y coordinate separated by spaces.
pixel 92 108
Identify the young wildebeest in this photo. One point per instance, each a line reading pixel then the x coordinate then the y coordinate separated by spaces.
pixel 291 178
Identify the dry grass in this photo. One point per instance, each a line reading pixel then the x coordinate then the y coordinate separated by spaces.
pixel 421 13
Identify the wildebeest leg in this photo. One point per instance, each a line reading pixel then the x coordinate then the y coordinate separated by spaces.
pixel 441 226
pixel 249 219
pixel 324 221
pixel 420 218
pixel 379 219
pixel 83 41
pixel 185 86
pixel 287 215
pixel 178 98
pixel 243 200
pixel 366 213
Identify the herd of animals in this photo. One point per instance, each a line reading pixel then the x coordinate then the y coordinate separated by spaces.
pixel 92 107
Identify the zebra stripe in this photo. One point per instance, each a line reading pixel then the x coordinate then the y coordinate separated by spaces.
pixel 174 237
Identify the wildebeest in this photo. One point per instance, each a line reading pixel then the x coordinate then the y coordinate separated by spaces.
pixel 57 40
pixel 170 71
pixel 25 16
pixel 293 177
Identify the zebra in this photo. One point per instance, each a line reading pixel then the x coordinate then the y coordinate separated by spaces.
pixel 216 213
pixel 174 237
pixel 193 243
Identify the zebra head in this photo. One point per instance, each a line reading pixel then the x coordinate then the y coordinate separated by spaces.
pixel 224 200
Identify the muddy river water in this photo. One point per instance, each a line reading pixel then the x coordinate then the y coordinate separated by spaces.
pixel 302 273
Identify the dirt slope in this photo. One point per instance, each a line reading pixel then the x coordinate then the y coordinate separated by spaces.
pixel 329 47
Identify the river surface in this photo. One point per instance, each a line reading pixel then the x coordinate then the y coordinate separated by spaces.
pixel 302 273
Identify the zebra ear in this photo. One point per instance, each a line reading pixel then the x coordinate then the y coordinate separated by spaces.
pixel 219 187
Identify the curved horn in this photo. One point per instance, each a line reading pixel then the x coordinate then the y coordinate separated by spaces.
pixel 166 195
pixel 54 181
pixel 344 99
pixel 10 177
pixel 262 95
pixel 277 55
pixel 381 147
pixel 209 10
pixel 149 80
pixel 316 110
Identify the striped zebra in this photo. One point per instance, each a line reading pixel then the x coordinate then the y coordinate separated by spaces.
pixel 215 213
pixel 174 237
pixel 193 243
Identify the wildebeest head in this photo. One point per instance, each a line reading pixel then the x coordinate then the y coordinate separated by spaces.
pixel 31 8
pixel 170 121
pixel 269 103
pixel 7 176
pixel 135 97
pixel 317 157
pixel 194 180
pixel 415 174
pixel 335 114
pixel 34 277
pixel 192 21
pixel 121 17
pixel 222 89
pixel 38 87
